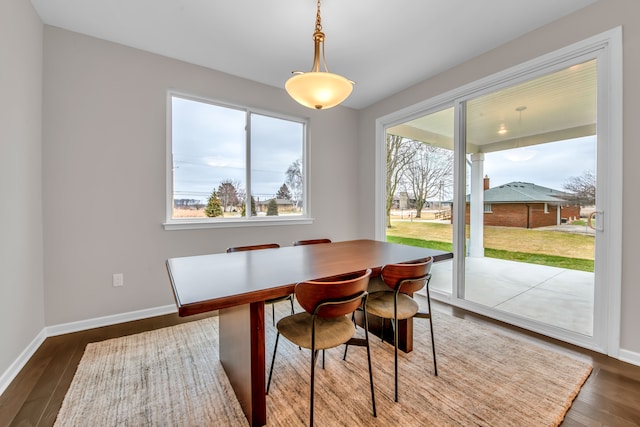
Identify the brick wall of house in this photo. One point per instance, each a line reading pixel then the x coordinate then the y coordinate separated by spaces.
pixel 517 215
pixel 570 212
pixel 538 218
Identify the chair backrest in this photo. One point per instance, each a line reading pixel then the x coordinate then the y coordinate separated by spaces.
pixel 311 242
pixel 345 290
pixel 411 277
pixel 253 247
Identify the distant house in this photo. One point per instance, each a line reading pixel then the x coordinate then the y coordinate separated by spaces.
pixel 283 204
pixel 527 205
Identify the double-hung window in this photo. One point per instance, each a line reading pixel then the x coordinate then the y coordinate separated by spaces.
pixel 233 166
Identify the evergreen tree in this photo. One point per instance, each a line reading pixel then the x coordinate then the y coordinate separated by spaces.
pixel 284 193
pixel 272 208
pixel 253 208
pixel 213 208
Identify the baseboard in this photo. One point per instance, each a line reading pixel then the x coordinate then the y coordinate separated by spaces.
pixel 66 328
pixel 629 357
pixel 18 364
pixel 82 325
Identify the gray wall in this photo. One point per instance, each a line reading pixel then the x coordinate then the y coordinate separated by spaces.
pixel 104 150
pixel 21 290
pixel 599 17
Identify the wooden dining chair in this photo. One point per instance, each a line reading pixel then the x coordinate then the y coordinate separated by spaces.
pixel 326 321
pixel 397 303
pixel 311 242
pixel 273 300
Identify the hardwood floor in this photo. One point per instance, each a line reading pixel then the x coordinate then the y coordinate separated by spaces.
pixel 610 397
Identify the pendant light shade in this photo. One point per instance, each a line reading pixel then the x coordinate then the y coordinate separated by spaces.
pixel 318 89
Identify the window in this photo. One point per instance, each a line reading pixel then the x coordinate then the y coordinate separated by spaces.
pixel 232 166
pixel 487 208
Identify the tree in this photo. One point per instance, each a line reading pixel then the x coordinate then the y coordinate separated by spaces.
pixel 213 208
pixel 272 208
pixel 397 159
pixel 253 208
pixel 283 192
pixel 583 188
pixel 228 194
pixel 294 181
pixel 427 171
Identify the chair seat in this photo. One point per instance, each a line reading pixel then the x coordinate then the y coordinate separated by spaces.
pixel 330 332
pixel 381 304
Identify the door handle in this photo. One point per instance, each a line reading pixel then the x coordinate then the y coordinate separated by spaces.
pixel 599 222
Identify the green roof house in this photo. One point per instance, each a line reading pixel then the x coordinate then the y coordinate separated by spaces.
pixel 527 205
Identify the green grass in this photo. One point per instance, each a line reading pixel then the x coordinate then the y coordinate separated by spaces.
pixel 550 260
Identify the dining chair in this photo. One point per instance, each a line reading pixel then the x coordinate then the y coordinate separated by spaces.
pixel 326 321
pixel 397 303
pixel 273 300
pixel 311 242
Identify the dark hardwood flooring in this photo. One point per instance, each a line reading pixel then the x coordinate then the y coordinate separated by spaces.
pixel 610 397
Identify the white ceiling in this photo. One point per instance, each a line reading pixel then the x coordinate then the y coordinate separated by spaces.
pixel 383 45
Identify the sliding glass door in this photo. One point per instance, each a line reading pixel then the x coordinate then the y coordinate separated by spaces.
pixel 519 175
pixel 530 154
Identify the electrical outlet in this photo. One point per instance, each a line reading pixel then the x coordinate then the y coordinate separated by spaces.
pixel 118 279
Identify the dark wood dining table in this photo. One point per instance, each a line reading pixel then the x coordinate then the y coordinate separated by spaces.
pixel 237 284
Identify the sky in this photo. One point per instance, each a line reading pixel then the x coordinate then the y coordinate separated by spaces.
pixel 208 148
pixel 208 144
pixel 549 165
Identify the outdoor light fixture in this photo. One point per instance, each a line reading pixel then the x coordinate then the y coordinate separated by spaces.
pixel 318 88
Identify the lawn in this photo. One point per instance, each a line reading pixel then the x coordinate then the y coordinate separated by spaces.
pixel 553 248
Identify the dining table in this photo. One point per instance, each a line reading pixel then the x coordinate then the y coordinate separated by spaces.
pixel 237 285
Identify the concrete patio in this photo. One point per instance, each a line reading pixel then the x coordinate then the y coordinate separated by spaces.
pixel 556 296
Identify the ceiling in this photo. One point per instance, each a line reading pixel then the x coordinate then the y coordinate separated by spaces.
pixel 384 46
pixel 553 107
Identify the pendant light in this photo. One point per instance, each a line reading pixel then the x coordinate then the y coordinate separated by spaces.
pixel 318 88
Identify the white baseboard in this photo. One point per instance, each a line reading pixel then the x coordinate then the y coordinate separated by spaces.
pixel 66 328
pixel 629 357
pixel 82 325
pixel 18 364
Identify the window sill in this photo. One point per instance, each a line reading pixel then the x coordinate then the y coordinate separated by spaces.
pixel 195 224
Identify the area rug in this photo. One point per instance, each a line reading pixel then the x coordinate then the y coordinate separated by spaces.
pixel 173 377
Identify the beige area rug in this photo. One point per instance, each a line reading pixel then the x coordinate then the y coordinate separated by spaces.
pixel 173 377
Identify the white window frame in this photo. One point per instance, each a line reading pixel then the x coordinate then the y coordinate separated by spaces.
pixel 249 221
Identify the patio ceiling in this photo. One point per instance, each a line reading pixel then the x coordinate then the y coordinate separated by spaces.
pixel 558 106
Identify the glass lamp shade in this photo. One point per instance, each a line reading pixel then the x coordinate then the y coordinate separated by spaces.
pixel 318 89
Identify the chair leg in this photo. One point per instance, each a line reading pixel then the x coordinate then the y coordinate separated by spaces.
pixel 291 301
pixel 433 342
pixel 433 347
pixel 273 360
pixel 314 357
pixel 366 337
pixel 395 347
pixel 273 314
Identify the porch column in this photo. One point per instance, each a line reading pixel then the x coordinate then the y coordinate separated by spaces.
pixel 475 246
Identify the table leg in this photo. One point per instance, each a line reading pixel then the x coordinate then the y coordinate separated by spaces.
pixel 242 354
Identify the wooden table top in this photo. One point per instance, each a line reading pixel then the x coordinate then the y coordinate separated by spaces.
pixel 211 282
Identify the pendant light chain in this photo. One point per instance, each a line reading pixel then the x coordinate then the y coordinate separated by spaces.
pixel 318 19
